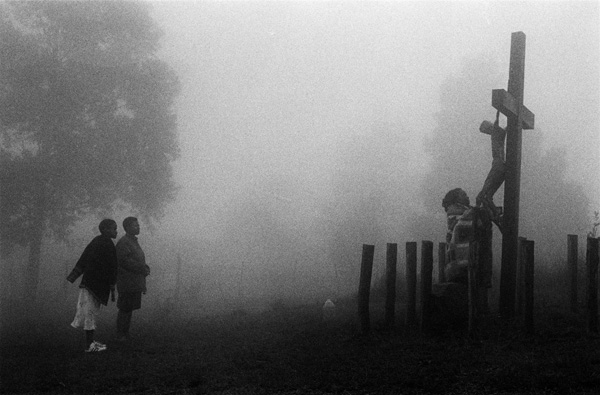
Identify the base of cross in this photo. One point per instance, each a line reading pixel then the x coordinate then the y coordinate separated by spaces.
pixel 450 307
pixel 460 302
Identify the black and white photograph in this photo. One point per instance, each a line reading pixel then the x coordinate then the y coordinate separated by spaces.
pixel 299 197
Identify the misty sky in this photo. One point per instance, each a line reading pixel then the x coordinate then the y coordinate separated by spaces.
pixel 269 88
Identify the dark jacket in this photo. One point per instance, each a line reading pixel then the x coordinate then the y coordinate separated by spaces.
pixel 132 265
pixel 98 264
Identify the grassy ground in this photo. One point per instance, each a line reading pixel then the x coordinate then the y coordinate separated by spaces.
pixel 290 350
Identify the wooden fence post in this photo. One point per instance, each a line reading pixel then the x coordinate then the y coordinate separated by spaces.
pixel 364 287
pixel 442 262
pixel 528 280
pixel 411 283
pixel 473 288
pixel 592 266
pixel 426 283
pixel 521 265
pixel 572 257
pixel 390 280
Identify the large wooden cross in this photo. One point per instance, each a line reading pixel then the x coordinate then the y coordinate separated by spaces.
pixel 518 118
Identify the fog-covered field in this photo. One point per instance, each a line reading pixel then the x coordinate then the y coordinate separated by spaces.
pixel 290 348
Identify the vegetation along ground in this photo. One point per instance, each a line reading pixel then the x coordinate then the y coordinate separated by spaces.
pixel 289 349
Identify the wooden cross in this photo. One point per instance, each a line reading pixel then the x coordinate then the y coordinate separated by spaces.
pixel 518 118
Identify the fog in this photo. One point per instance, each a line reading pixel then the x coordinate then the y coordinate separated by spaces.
pixel 302 126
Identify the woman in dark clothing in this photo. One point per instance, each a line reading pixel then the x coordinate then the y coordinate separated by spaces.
pixel 98 265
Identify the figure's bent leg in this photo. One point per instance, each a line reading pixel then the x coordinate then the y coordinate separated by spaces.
pixel 123 323
pixel 496 175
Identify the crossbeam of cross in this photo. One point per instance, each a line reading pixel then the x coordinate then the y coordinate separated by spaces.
pixel 510 103
pixel 507 105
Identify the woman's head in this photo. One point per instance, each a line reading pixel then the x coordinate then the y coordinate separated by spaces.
pixel 108 227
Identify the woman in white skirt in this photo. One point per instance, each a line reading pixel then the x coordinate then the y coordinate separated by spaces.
pixel 98 265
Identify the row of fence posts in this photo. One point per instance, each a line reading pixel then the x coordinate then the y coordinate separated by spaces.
pixel 591 259
pixel 524 285
pixel 411 283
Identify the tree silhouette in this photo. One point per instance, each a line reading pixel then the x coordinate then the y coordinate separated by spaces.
pixel 86 118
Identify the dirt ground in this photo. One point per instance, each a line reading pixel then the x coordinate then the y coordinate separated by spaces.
pixel 291 350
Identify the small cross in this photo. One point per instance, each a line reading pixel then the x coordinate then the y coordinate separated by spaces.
pixel 518 118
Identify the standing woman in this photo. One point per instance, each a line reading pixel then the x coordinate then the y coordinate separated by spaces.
pixel 98 265
pixel 131 280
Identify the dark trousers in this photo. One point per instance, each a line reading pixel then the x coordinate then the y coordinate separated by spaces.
pixel 123 322
pixel 127 302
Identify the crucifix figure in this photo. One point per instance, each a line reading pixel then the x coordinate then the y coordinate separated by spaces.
pixel 518 118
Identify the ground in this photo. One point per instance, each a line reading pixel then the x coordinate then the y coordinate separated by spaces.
pixel 289 349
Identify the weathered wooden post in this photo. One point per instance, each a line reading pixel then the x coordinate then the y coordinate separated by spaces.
pixel 411 282
pixel 528 280
pixel 473 288
pixel 364 287
pixel 592 266
pixel 518 118
pixel 521 265
pixel 442 262
pixel 426 283
pixel 572 257
pixel 390 280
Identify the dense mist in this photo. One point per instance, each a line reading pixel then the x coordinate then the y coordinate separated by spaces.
pixel 306 129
